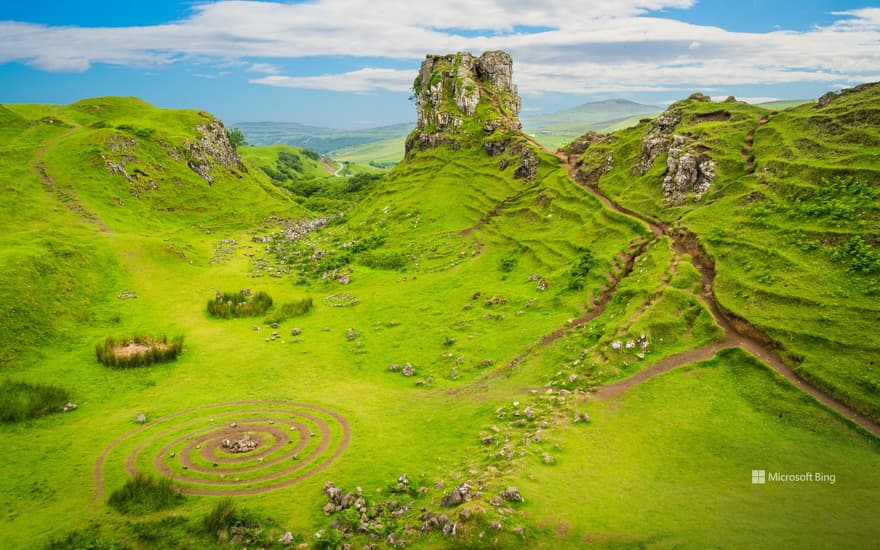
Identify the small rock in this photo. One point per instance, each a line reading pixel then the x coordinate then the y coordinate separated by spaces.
pixel 286 538
pixel 296 332
pixel 69 407
pixel 512 494
pixel 408 370
pixel 140 418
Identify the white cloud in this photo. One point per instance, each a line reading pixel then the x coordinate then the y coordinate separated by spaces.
pixel 265 68
pixel 609 46
pixel 362 80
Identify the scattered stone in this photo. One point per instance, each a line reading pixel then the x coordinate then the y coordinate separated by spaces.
pixel 244 445
pixel 548 459
pixel 140 418
pixel 487 439
pixel 69 407
pixel 408 370
pixel 286 538
pixel 512 494
pixel 496 300
pixel 352 334
pixel 256 328
pixel 394 367
pixel 295 332
pixel 274 325
pixel 542 285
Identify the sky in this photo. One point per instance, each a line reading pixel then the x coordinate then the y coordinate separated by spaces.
pixel 351 63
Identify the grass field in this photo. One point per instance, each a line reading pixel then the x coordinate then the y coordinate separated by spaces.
pixel 435 267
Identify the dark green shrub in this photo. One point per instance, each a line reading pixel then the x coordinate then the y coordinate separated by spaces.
pixel 579 271
pixel 20 400
pixel 226 515
pixel 138 351
pixel 384 260
pixel 858 255
pixel 291 309
pixel 239 304
pixel 143 494
pixel 507 263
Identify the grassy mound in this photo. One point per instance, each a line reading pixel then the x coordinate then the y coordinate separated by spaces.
pixel 20 400
pixel 138 351
pixel 239 304
pixel 142 494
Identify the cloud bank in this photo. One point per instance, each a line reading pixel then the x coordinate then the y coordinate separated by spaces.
pixel 602 46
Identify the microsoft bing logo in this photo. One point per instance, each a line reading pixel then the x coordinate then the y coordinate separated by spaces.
pixel 759 477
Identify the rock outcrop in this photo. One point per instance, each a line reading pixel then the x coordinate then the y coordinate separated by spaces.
pixel 689 170
pixel 210 148
pixel 468 101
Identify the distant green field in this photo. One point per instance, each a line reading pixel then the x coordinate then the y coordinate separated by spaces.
pixel 382 153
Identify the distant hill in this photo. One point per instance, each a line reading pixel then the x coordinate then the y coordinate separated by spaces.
pixel 317 138
pixel 556 129
pixel 591 113
pixel 782 104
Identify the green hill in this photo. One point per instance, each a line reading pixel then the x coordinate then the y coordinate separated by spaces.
pixel 81 176
pixel 791 220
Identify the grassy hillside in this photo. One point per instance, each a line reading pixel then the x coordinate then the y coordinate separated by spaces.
pixel 66 207
pixel 284 160
pixel 791 221
pixel 474 349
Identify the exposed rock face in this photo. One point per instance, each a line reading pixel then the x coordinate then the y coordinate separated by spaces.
pixel 449 90
pixel 657 141
pixel 212 144
pixel 687 172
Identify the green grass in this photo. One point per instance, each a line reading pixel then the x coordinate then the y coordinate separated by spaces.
pixel 22 401
pixel 669 463
pixel 665 464
pixel 143 494
pixel 239 304
pixel 290 309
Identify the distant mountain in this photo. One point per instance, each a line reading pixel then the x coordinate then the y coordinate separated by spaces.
pixel 591 113
pixel 317 138
pixel 555 129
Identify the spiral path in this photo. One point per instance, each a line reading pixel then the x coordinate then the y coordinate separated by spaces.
pixel 294 441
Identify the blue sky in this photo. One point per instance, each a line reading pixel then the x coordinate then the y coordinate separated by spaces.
pixel 348 63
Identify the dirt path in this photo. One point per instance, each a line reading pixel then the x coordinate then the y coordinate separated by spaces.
pixel 67 197
pixel 737 332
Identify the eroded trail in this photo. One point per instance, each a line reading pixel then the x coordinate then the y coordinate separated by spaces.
pixel 738 332
pixel 67 197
